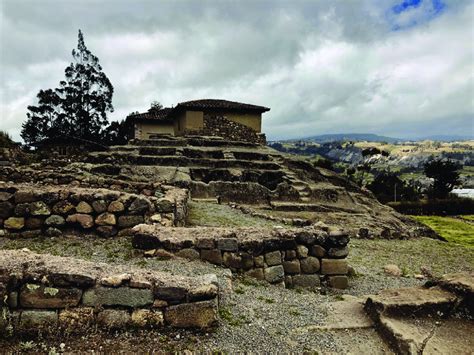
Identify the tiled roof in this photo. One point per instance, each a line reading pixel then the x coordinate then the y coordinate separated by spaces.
pixel 166 114
pixel 152 115
pixel 221 104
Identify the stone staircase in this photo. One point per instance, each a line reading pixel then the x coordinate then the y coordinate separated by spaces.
pixel 431 320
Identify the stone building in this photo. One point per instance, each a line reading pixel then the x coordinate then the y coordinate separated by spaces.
pixel 224 118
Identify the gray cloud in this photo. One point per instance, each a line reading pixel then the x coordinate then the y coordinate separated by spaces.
pixel 321 66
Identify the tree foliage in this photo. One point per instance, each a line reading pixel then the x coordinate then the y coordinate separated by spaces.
pixel 445 177
pixel 78 107
pixel 5 140
pixel 387 186
pixel 156 105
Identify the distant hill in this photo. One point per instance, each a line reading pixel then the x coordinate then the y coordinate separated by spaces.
pixel 445 138
pixel 357 137
pixel 370 137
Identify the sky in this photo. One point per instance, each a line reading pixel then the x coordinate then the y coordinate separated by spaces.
pixel 401 68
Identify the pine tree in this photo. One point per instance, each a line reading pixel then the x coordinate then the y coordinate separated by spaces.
pixel 78 107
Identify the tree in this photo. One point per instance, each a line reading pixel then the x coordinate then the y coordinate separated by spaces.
pixel 117 133
pixel 445 177
pixel 6 140
pixel 78 107
pixel 156 105
pixel 387 186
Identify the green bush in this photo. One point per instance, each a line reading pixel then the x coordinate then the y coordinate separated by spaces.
pixel 439 207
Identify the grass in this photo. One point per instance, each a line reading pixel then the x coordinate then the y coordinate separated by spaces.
pixel 410 256
pixel 453 229
pixel 215 215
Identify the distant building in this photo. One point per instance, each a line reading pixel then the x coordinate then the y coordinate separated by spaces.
pixel 198 117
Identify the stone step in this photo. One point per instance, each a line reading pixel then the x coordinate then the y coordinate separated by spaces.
pixel 412 300
pixel 417 320
pixel 70 294
pixel 177 161
pixel 305 205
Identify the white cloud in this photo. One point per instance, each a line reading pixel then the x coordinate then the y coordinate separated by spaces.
pixel 321 67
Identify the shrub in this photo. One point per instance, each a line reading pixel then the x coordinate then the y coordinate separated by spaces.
pixel 435 207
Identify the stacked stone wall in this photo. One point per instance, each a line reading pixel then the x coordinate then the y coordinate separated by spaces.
pixel 45 293
pixel 34 210
pixel 299 257
pixel 48 176
pixel 220 126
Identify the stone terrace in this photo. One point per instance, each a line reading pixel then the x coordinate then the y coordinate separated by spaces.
pixel 31 210
pixel 45 292
pixel 299 257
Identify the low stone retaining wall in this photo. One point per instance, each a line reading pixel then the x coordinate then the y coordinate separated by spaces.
pixel 302 257
pixel 45 293
pixel 31 210
pixel 79 175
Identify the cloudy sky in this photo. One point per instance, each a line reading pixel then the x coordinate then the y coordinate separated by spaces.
pixel 401 68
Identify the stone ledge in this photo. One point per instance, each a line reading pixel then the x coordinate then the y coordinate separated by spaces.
pixel 45 292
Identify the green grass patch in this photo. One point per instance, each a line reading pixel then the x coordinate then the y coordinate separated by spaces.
pixel 453 229
pixel 215 215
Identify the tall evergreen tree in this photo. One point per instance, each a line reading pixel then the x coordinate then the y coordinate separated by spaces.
pixel 78 107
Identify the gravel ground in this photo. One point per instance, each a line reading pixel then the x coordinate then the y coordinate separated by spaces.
pixel 255 316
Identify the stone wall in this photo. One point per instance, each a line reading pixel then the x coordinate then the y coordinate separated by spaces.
pixel 54 174
pixel 299 257
pixel 220 126
pixel 34 210
pixel 45 293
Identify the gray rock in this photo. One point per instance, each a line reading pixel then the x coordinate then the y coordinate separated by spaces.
pixel 301 251
pixel 227 244
pixel 292 266
pixel 310 265
pixel 317 250
pixel 273 258
pixel 274 274
pixel 113 319
pixel 99 206
pixel 55 220
pixel 232 260
pixel 290 254
pixel 192 315
pixel 139 206
pixel 129 221
pixel 171 294
pixel 188 253
pixel 334 267
pixel 214 256
pixel 121 296
pixel 35 320
pixel 306 281
pixel 164 206
pixel 259 261
pixel 338 253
